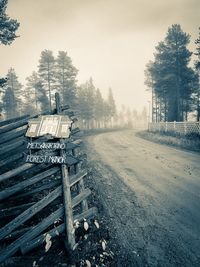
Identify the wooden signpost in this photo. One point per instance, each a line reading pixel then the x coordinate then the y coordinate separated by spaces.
pixel 54 165
pixel 51 126
pixel 57 126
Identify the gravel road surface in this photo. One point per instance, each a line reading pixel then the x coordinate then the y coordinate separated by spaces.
pixel 151 194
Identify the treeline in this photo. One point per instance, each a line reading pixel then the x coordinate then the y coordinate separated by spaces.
pixel 57 75
pixel 173 82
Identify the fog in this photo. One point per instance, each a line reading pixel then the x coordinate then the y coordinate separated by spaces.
pixel 108 40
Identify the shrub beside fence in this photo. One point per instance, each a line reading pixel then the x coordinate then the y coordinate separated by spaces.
pixel 183 128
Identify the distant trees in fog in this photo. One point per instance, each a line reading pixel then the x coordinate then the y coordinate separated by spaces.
pixel 57 74
pixel 173 83
pixel 47 72
pixel 94 111
pixel 11 101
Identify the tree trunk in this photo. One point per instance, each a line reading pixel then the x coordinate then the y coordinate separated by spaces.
pixel 49 89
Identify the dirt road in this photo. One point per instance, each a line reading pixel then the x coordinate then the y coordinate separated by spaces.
pixel 151 194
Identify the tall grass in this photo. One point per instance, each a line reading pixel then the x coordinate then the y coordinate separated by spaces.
pixel 189 142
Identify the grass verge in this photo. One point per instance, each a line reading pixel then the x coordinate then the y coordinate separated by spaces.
pixel 189 142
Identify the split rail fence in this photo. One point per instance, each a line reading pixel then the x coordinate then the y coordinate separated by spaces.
pixel 36 199
pixel 183 128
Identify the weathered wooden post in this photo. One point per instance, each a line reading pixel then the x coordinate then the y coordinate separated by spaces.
pixel 70 242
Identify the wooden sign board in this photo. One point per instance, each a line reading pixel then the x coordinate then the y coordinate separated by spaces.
pixel 57 126
pixel 46 159
pixel 45 146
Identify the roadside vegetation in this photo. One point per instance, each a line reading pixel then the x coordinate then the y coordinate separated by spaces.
pixel 189 142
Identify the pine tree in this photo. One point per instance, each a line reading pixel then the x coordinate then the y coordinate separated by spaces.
pixel 32 88
pixel 111 109
pixel 170 76
pixel 111 103
pixel 152 73
pixel 8 26
pixel 47 72
pixel 66 77
pixel 9 103
pixel 16 89
pixel 99 108
pixel 36 99
pixel 106 114
pixel 43 101
pixel 92 108
pixel 122 116
pixel 86 103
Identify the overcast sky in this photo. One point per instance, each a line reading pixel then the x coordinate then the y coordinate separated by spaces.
pixel 108 40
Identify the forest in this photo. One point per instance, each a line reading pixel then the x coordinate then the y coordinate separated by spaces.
pixel 57 74
pixel 172 78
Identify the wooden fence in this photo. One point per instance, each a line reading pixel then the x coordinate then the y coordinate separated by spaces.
pixel 183 128
pixel 36 199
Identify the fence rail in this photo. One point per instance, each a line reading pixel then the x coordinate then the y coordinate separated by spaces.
pixel 183 128
pixel 35 186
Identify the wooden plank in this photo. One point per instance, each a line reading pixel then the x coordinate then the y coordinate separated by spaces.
pixel 8 148
pixel 28 246
pixel 18 233
pixel 35 145
pixel 78 199
pixel 52 159
pixel 70 160
pixel 12 135
pixel 39 189
pixel 12 248
pixel 6 122
pixel 64 107
pixel 14 211
pixel 27 214
pixel 52 112
pixel 86 214
pixel 10 159
pixel 20 186
pixel 32 244
pixel 4 135
pixel 13 126
pixel 81 186
pixel 77 177
pixel 71 146
pixel 16 171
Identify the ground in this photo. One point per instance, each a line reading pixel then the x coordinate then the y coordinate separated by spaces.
pixel 147 195
pixel 150 194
